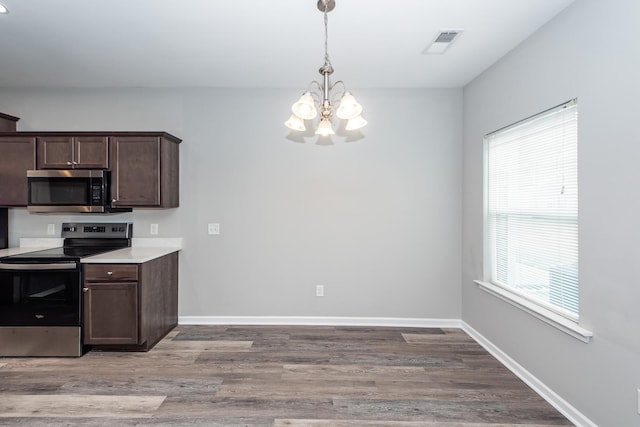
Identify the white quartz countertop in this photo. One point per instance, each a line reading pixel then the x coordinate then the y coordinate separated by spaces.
pixel 141 250
pixel 132 255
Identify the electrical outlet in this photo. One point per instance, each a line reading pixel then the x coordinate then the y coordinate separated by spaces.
pixel 319 290
pixel 213 228
pixel 153 229
pixel 51 229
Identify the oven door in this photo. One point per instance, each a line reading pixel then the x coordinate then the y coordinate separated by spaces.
pixel 40 294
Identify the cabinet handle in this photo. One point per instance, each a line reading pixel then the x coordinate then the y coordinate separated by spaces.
pixel 69 163
pixel 76 163
pixel 110 273
pixel 85 289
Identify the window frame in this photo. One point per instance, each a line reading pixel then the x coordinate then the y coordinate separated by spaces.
pixel 556 316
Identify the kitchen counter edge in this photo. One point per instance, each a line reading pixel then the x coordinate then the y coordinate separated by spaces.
pixel 132 255
pixel 141 250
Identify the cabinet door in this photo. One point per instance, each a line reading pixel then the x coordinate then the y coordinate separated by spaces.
pixel 17 156
pixel 111 313
pixel 91 152
pixel 135 171
pixel 55 152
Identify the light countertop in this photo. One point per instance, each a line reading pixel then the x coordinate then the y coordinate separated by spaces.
pixel 132 255
pixel 141 250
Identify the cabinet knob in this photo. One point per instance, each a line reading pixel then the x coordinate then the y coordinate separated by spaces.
pixel 85 289
pixel 75 163
pixel 110 273
pixel 69 163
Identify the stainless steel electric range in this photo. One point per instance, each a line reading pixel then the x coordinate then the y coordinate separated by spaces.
pixel 41 291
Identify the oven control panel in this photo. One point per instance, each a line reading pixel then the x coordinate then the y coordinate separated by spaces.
pixel 116 230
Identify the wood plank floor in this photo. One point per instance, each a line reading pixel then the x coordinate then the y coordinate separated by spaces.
pixel 276 376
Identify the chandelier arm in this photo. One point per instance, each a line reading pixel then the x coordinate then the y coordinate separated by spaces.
pixel 317 84
pixel 339 82
pixel 336 96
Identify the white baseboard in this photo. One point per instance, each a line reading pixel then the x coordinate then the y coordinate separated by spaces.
pixel 320 321
pixel 564 407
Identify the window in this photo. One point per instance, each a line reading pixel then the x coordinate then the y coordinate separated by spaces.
pixel 532 209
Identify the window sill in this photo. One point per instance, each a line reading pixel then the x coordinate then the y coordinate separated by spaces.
pixel 547 316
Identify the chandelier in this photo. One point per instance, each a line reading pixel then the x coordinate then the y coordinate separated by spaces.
pixel 325 98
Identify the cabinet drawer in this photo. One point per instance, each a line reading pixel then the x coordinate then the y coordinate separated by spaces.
pixel 110 272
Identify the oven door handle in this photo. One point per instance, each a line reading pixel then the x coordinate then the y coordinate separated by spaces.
pixel 31 267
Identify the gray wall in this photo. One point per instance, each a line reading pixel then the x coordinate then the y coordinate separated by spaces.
pixel 589 51
pixel 375 219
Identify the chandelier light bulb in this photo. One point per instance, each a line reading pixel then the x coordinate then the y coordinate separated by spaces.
pixel 356 123
pixel 324 128
pixel 305 108
pixel 349 107
pixel 295 123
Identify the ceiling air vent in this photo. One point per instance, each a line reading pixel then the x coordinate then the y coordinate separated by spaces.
pixel 442 41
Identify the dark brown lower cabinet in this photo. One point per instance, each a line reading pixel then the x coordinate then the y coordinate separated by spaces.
pixel 130 306
pixel 111 313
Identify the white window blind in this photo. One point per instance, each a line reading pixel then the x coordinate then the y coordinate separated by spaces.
pixel 532 208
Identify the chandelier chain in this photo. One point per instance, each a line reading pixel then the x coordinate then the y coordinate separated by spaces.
pixel 327 61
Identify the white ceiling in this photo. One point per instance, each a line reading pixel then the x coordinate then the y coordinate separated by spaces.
pixel 250 43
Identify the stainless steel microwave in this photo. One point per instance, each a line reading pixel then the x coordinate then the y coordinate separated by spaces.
pixel 86 191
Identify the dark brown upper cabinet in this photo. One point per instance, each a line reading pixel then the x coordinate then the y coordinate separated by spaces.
pixel 17 155
pixel 144 165
pixel 144 171
pixel 8 123
pixel 72 152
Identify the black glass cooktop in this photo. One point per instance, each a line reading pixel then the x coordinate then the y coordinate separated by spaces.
pixel 80 240
pixel 57 254
pixel 63 253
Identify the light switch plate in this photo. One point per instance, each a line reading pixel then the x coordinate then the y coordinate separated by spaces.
pixel 51 229
pixel 153 229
